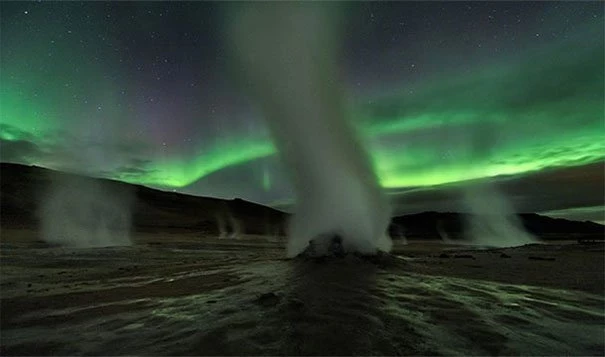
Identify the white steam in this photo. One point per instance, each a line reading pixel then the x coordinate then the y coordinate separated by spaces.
pixel 288 54
pixel 445 237
pixel 491 218
pixel 82 212
pixel 228 226
pixel 493 221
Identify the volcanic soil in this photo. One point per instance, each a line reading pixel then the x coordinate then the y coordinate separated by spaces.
pixel 185 294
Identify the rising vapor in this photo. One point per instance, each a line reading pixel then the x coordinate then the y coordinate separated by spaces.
pixel 493 220
pixel 287 53
pixel 82 212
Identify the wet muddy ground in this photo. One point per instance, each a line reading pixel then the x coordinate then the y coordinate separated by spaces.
pixel 181 294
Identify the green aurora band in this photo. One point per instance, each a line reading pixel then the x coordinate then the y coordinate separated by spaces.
pixel 542 110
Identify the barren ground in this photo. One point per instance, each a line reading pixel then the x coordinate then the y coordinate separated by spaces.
pixel 182 294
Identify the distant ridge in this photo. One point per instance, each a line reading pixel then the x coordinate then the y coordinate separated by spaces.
pixel 440 225
pixel 22 187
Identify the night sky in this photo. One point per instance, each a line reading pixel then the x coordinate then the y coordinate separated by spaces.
pixel 442 94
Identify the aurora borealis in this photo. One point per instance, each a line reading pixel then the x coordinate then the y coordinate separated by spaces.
pixel 442 93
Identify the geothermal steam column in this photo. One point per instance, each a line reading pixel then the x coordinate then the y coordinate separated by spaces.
pixel 287 52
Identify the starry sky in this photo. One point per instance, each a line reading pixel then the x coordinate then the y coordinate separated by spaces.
pixel 443 94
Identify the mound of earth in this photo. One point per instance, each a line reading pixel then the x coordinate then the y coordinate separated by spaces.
pixel 330 248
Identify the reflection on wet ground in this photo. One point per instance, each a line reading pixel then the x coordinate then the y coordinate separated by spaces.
pixel 245 299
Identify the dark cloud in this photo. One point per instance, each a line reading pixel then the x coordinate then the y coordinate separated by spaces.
pixel 64 150
pixel 595 214
pixel 554 189
pixel 132 171
pixel 19 151
pixel 564 192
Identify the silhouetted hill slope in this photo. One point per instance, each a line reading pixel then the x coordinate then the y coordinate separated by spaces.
pixel 23 187
pixel 438 225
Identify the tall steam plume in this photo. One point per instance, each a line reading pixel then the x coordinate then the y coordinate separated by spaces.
pixel 493 221
pixel 82 212
pixel 287 52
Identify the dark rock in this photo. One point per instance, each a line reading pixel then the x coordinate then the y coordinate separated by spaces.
pixel 319 260
pixel 296 304
pixel 268 299
pixel 504 255
pixel 381 259
pixel 329 249
pixel 324 245
pixel 542 258
pixel 466 256
pixel 444 255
